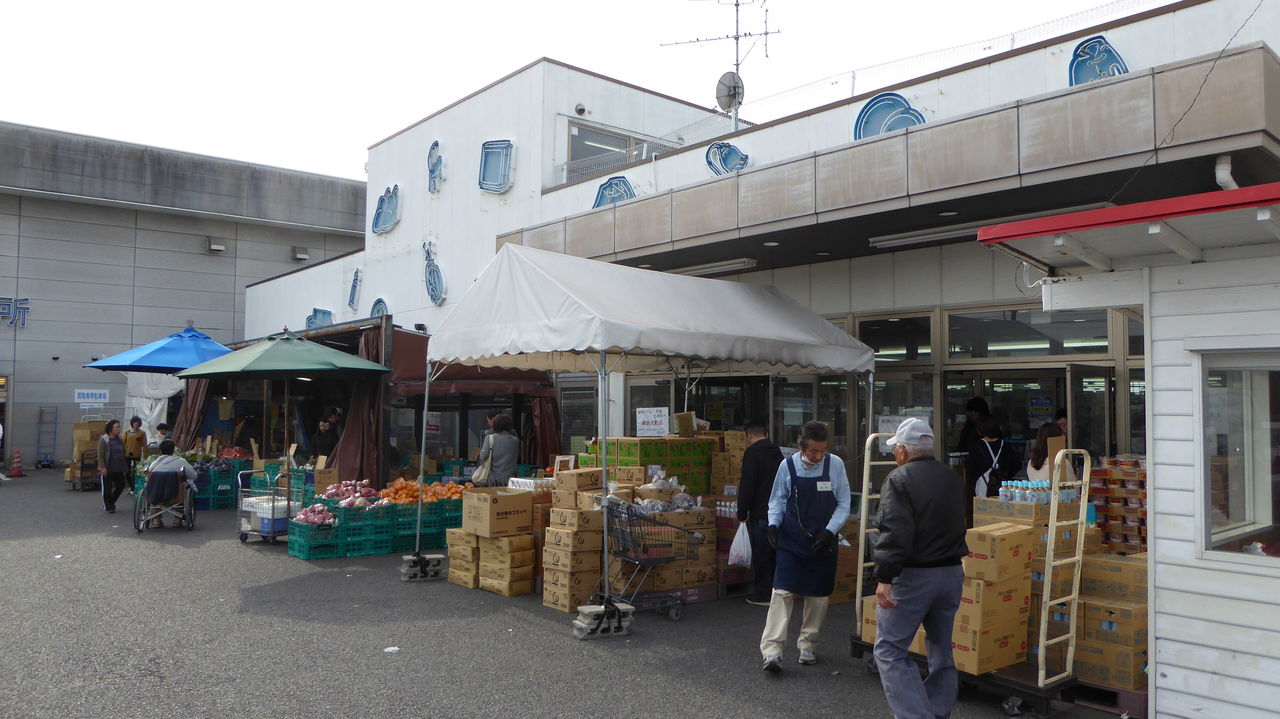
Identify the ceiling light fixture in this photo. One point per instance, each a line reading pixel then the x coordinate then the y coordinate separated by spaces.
pixel 966 230
pixel 822 253
pixel 645 266
pixel 948 213
pixel 771 243
pixel 716 268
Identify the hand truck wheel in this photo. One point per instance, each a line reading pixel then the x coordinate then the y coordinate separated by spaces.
pixel 244 537
pixel 675 613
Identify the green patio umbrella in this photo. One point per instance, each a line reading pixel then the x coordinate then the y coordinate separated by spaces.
pixel 284 356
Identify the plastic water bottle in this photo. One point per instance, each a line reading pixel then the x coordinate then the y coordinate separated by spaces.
pixel 1004 491
pixel 1024 493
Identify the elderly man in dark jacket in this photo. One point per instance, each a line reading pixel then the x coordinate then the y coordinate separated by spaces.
pixel 759 467
pixel 921 543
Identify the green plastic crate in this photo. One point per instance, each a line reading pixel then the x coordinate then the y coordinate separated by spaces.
pixel 219 501
pixel 303 549
pixel 353 532
pixel 315 533
pixel 409 526
pixel 366 547
pixel 382 528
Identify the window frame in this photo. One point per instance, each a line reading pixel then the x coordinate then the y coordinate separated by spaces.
pixel 1246 361
pixel 948 313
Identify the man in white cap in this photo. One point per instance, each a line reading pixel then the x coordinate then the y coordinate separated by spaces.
pixel 922 533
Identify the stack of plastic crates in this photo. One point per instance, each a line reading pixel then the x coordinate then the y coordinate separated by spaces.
pixel 454 467
pixel 365 530
pixel 408 524
pixel 222 489
pixel 302 486
pixel 314 541
pixel 204 491
pixel 450 513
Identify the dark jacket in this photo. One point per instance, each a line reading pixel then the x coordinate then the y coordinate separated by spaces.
pixel 323 442
pixel 979 461
pixel 759 466
pixel 921 519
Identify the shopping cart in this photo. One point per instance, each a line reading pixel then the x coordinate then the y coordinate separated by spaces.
pixel 641 544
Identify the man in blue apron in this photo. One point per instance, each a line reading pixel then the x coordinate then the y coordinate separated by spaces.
pixel 808 507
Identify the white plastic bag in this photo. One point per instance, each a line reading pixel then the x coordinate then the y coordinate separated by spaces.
pixel 740 550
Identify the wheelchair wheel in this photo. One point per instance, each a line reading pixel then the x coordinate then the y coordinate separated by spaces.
pixel 189 511
pixel 140 512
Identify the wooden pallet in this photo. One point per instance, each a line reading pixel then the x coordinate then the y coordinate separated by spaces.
pixel 1131 703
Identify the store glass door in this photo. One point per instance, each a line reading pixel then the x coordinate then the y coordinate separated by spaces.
pixel 897 396
pixel 726 402
pixel 1089 409
pixel 1020 401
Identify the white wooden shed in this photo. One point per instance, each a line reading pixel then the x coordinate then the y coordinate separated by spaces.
pixel 1206 270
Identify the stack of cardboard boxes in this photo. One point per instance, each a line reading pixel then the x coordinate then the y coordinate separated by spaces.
pixel 990 629
pixel 1118 491
pixel 1111 648
pixel 573 540
pixel 686 458
pixel 493 550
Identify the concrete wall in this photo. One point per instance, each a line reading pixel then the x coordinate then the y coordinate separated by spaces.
pixel 109 241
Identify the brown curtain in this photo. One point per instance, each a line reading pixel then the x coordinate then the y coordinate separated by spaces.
pixel 356 455
pixel 546 430
pixel 187 427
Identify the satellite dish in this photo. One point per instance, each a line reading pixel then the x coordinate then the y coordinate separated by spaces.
pixel 729 91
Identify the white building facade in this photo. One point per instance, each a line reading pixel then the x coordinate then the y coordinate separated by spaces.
pixel 867 210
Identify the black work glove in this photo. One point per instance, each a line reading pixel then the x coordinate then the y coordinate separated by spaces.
pixel 823 542
pixel 771 534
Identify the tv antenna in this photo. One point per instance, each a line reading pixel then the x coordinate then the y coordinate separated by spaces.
pixel 729 89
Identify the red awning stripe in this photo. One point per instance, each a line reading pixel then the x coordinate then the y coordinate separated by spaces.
pixel 1153 211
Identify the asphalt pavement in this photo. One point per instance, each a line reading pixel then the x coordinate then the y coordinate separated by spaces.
pixel 99 621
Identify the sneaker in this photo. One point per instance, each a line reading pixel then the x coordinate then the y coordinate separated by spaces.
pixel 807 657
pixel 773 664
pixel 757 602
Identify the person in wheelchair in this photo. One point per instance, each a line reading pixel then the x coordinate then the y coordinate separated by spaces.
pixel 168 479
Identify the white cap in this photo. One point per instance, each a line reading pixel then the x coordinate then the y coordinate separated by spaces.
pixel 913 430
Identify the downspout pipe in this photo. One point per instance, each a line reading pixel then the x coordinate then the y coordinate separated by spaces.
pixel 1222 173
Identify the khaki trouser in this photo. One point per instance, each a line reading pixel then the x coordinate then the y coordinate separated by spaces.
pixel 775 625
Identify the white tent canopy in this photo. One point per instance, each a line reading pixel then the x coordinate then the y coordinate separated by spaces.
pixel 534 309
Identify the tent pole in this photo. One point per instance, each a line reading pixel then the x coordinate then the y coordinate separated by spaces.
pixel 288 459
pixel 422 457
pixel 603 423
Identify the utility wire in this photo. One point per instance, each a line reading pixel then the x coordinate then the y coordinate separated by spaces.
pixel 1168 138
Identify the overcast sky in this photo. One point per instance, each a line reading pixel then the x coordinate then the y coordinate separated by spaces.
pixel 310 85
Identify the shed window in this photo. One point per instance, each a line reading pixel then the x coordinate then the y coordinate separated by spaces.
pixel 1242 444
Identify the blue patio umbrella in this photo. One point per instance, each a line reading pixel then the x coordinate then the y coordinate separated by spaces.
pixel 176 352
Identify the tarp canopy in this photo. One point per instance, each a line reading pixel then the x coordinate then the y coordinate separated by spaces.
pixel 283 355
pixel 533 309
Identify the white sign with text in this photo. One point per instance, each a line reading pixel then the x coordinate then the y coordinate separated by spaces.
pixel 652 421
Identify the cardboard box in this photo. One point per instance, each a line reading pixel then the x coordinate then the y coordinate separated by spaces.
pixel 573 540
pixel 699 574
pixel 325 478
pixel 507 545
pixel 668 576
pixel 685 423
pixel 471 566
pixel 1108 575
pixel 1065 542
pixel 843 592
pixel 628 476
pixel 985 604
pixel 563 600
pixel 499 558
pixel 564 499
pixel 577 519
pixel 586 500
pixel 576 583
pixel 868 625
pixel 998 551
pixel 460 538
pixel 574 480
pixel 470 580
pixel 507 589
pixel 1028 513
pixel 500 573
pixel 1114 621
pixel 978 650
pixel 1111 665
pixel 570 561
pixel 468 555
pixel 497 511
pixel 1062 578
pixel 664 495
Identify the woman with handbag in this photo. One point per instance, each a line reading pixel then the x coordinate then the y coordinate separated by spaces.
pixel 498 454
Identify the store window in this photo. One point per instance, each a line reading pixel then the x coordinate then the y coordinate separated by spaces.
pixel 585 142
pixel 646 395
pixel 1027 333
pixel 792 408
pixel 1138 411
pixel 1242 444
pixel 833 403
pixel 1136 336
pixel 577 418
pixel 898 339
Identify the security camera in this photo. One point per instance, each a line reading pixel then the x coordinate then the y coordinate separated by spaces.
pixel 580 109
pixel 55 358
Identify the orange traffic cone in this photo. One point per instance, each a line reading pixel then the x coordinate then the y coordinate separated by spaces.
pixel 16 469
